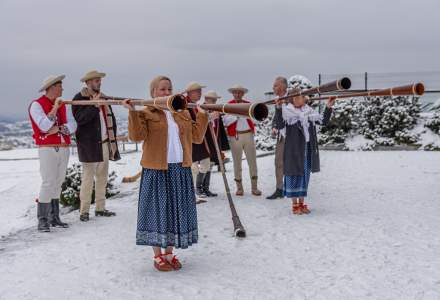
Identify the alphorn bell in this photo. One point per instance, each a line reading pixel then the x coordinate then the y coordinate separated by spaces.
pixel 337 85
pixel 416 89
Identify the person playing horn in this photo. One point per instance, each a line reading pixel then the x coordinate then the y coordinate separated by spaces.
pixel 96 142
pixel 52 124
pixel 167 214
pixel 241 132
pixel 200 152
pixel 216 122
pixel 280 90
pixel 296 122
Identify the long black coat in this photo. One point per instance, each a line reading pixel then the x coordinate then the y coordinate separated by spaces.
pixel 88 132
pixel 294 154
pixel 207 148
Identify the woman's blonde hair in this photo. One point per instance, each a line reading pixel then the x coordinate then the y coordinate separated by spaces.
pixel 155 83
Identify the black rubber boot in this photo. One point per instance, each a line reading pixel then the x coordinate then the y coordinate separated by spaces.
pixel 277 194
pixel 199 185
pixel 43 212
pixel 54 219
pixel 206 182
pixel 84 217
pixel 105 213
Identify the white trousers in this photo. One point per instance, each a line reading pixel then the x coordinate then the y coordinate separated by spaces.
pixel 53 166
pixel 203 166
pixel 97 173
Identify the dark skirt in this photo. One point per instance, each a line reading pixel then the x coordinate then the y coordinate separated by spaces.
pixel 167 214
pixel 296 186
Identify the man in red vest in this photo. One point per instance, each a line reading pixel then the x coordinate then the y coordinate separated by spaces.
pixel 52 124
pixel 241 132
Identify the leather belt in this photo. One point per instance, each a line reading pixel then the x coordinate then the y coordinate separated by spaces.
pixel 244 131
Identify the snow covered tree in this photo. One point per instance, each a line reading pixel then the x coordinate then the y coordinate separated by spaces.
pixel 342 122
pixel 71 187
pixel 263 138
pixel 388 120
pixel 433 122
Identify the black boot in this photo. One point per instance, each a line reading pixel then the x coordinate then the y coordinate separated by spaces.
pixel 54 218
pixel 277 194
pixel 206 182
pixel 43 212
pixel 104 213
pixel 84 217
pixel 199 185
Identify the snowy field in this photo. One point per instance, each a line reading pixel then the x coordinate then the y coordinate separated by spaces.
pixel 373 234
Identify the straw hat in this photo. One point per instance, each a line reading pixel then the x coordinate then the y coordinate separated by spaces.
pixel 237 87
pixel 51 80
pixel 91 75
pixel 193 86
pixel 212 94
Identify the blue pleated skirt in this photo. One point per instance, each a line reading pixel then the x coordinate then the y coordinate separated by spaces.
pixel 296 186
pixel 167 214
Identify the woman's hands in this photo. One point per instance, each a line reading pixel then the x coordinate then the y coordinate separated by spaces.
pixel 127 104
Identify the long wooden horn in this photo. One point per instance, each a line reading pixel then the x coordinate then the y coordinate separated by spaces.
pixel 256 111
pixel 416 89
pixel 337 85
pixel 172 103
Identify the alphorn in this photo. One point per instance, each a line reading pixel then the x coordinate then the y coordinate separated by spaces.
pixel 416 89
pixel 334 86
pixel 257 111
pixel 175 103
pixel 172 103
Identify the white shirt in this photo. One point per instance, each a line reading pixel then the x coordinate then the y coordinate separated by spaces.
pixel 104 134
pixel 175 150
pixel 242 123
pixel 44 124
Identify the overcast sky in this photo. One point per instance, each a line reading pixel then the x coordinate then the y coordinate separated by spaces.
pixel 218 43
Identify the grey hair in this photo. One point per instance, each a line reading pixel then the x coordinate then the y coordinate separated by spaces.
pixel 282 79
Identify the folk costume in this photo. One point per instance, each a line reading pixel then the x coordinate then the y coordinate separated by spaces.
pixel 96 142
pixel 53 152
pixel 241 133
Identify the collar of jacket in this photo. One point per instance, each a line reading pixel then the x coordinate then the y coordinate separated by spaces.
pixel 86 92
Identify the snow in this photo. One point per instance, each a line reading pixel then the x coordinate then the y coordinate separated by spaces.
pixel 372 234
pixel 358 143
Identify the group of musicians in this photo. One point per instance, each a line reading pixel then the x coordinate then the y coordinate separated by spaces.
pixel 178 153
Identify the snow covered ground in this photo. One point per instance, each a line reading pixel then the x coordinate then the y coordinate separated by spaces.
pixel 373 234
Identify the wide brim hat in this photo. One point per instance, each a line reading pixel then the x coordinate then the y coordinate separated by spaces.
pixel 237 87
pixel 92 75
pixel 212 94
pixel 193 86
pixel 51 80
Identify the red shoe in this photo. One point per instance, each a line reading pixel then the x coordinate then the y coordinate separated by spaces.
pixel 297 209
pixel 173 261
pixel 305 209
pixel 161 264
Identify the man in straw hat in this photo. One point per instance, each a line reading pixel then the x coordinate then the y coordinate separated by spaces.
pixel 216 122
pixel 96 141
pixel 52 124
pixel 241 132
pixel 200 152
